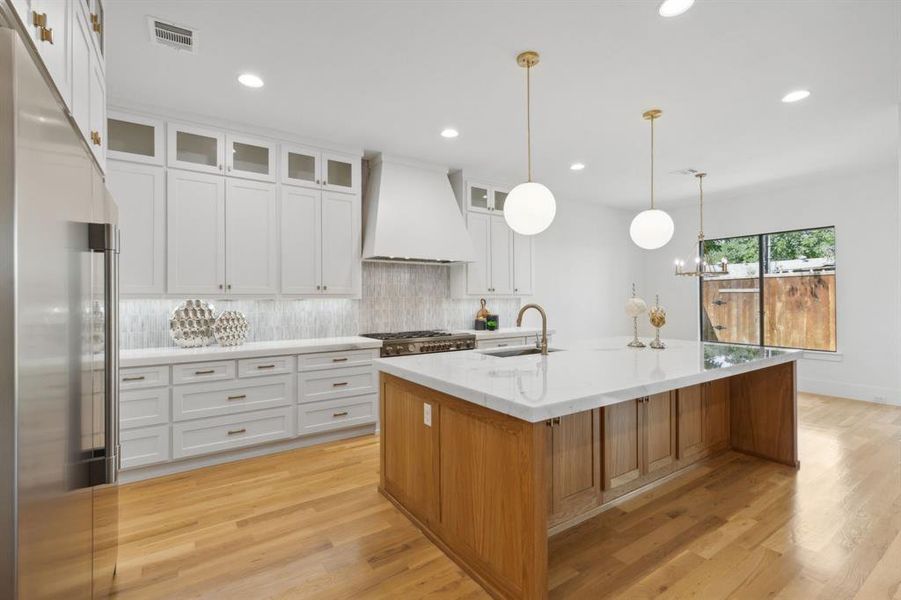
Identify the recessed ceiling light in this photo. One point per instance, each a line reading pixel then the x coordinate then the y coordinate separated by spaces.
pixel 795 96
pixel 250 80
pixel 674 8
pixel 449 133
pixel 576 166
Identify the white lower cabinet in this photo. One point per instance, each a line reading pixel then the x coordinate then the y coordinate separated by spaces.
pixel 143 407
pixel 192 409
pixel 202 436
pixel 228 397
pixel 144 446
pixel 336 383
pixel 328 415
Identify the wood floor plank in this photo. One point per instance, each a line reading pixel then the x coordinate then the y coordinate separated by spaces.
pixel 310 523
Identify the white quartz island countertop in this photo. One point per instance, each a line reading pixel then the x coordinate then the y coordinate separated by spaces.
pixel 166 356
pixel 580 376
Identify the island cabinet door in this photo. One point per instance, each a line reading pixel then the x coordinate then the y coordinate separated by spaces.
pixel 574 463
pixel 716 409
pixel 410 446
pixel 690 407
pixel 660 431
pixel 623 448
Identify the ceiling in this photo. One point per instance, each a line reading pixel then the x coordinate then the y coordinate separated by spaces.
pixel 389 76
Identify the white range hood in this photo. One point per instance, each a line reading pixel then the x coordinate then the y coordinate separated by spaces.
pixel 410 214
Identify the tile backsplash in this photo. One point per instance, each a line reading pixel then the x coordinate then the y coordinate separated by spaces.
pixel 395 297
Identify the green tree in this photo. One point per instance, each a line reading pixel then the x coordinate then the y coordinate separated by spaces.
pixel 736 250
pixel 810 243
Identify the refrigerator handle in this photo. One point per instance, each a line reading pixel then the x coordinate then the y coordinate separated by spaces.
pixel 104 237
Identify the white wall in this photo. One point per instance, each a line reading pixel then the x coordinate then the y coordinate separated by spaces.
pixel 864 208
pixel 584 268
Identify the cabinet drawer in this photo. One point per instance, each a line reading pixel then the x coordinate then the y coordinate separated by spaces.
pixel 209 371
pixel 258 367
pixel 235 431
pixel 144 446
pixel 229 397
pixel 140 408
pixel 501 342
pixel 336 383
pixel 337 360
pixel 336 414
pixel 143 377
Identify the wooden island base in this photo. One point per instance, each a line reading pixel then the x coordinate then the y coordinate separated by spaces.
pixel 489 489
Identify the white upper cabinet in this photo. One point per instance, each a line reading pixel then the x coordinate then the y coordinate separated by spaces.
pixel 82 72
pixel 134 138
pixel 248 157
pixel 485 198
pixel 140 192
pixel 340 242
pixel 98 113
pixel 251 219
pixel 340 172
pixel 478 280
pixel 522 265
pixel 195 148
pixel 195 205
pixel 50 24
pixel 301 243
pixel 301 165
pixel 501 257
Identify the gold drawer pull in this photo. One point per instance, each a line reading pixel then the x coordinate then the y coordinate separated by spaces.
pixel 135 378
pixel 502 345
pixel 237 431
pixel 343 383
pixel 265 366
pixel 340 414
pixel 241 397
pixel 205 372
pixel 344 359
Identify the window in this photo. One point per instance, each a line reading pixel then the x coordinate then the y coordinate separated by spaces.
pixel 780 290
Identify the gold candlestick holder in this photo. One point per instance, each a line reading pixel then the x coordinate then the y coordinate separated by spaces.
pixel 657 316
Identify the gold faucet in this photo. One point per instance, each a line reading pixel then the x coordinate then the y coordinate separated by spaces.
pixel 543 345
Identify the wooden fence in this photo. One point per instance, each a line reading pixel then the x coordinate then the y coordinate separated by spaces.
pixel 799 309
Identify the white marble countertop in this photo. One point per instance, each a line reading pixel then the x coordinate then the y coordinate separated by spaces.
pixel 504 332
pixel 580 376
pixel 166 356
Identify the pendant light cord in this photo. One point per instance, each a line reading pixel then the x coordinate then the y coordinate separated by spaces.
pixel 701 205
pixel 652 162
pixel 529 118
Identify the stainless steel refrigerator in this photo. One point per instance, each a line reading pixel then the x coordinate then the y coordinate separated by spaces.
pixel 58 347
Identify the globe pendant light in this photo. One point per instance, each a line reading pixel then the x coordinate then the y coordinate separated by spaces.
pixel 652 228
pixel 530 207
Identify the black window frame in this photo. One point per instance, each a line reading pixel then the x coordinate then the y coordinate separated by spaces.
pixel 762 266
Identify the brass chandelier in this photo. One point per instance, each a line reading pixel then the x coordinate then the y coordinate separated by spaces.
pixel 702 267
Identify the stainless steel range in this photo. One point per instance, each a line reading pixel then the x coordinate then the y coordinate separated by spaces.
pixel 420 342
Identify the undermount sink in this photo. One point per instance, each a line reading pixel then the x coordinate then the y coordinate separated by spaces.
pixel 517 352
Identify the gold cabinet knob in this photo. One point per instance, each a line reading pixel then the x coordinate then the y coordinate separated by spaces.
pixel 95 138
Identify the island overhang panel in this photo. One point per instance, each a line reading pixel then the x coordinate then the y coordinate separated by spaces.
pixel 488 487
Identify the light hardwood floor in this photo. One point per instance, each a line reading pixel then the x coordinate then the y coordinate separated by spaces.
pixel 310 524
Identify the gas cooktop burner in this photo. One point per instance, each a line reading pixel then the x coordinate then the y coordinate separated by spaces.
pixel 408 335
pixel 419 342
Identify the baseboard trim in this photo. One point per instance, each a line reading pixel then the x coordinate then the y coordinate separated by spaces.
pixel 853 391
pixel 197 462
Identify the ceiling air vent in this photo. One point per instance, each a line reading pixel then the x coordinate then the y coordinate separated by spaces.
pixel 172 36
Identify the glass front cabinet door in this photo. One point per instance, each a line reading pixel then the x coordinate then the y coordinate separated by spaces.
pixel 498 198
pixel 340 172
pixel 301 166
pixel 134 138
pixel 195 148
pixel 250 158
pixel 478 197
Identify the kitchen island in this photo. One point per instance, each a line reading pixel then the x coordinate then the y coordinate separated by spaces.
pixel 490 452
